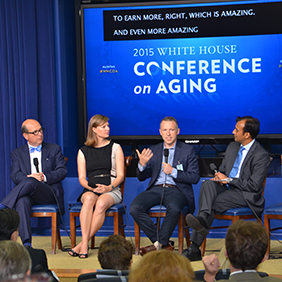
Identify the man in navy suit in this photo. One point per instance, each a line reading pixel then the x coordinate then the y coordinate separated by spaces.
pixel 173 168
pixel 37 170
pixel 238 183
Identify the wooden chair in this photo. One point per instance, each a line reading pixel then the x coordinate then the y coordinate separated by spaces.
pixel 272 212
pixel 155 212
pixel 53 212
pixel 50 210
pixel 233 215
pixel 116 211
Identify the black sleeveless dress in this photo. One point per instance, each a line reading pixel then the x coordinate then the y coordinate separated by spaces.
pixel 98 165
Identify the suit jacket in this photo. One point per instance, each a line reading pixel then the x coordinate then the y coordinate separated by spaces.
pixel 252 174
pixel 251 276
pixel 53 166
pixel 39 262
pixel 184 154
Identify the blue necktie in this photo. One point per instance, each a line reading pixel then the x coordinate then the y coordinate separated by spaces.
pixel 237 162
pixel 33 149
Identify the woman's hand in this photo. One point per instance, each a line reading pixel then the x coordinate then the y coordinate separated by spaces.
pixel 101 188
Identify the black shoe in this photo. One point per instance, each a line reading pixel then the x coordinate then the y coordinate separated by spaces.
pixel 197 223
pixel 192 255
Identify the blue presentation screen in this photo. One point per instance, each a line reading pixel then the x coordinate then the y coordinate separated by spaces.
pixel 204 64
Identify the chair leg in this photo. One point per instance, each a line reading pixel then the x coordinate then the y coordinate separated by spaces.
pixel 203 247
pixel 72 229
pixel 59 240
pixel 121 227
pixel 54 228
pixel 267 225
pixel 93 242
pixel 137 238
pixel 180 233
pixel 116 223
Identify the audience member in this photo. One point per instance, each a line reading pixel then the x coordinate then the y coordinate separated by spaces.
pixel 115 252
pixel 9 225
pixel 237 183
pixel 162 266
pixel 173 168
pixel 246 244
pixel 15 262
pixel 100 165
pixel 37 170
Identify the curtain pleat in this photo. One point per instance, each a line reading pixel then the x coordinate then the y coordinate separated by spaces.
pixel 27 75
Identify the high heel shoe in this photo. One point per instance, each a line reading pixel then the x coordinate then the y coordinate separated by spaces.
pixel 72 253
pixel 83 256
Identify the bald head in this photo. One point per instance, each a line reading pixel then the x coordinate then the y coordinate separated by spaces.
pixel 31 132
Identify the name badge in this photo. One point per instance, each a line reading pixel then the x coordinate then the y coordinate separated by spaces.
pixel 179 167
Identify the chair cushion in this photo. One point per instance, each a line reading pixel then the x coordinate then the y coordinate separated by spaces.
pixel 120 208
pixel 45 208
pixel 185 210
pixel 238 211
pixel 274 209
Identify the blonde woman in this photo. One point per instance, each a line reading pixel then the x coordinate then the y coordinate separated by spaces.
pixel 100 166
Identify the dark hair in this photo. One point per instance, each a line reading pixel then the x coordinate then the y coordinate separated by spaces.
pixel 9 223
pixel 251 125
pixel 115 252
pixel 246 244
pixel 170 119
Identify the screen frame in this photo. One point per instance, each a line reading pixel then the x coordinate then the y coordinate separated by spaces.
pixel 212 139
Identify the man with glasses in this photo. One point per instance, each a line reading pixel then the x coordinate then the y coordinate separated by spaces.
pixel 37 170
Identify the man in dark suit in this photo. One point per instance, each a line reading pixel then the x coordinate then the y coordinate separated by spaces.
pixel 37 170
pixel 9 225
pixel 246 244
pixel 238 183
pixel 173 168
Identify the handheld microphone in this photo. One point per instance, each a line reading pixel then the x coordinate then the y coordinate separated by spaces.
pixel 213 168
pixel 36 164
pixel 166 153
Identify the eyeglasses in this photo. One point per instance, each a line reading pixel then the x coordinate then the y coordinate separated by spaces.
pixel 36 132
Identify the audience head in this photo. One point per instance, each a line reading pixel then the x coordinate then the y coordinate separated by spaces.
pixel 162 266
pixel 95 121
pixel 9 224
pixel 246 244
pixel 33 132
pixel 115 252
pixel 252 125
pixel 15 262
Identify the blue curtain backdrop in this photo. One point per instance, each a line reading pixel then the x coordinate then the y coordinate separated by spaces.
pixel 27 75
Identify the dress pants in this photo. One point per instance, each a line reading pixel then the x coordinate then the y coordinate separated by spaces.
pixel 22 197
pixel 174 201
pixel 215 198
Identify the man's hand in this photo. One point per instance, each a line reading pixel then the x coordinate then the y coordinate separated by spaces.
pixel 211 264
pixel 39 176
pixel 219 176
pixel 167 168
pixel 145 156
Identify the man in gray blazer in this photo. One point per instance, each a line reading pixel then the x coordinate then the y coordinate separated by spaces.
pixel 238 183
pixel 246 244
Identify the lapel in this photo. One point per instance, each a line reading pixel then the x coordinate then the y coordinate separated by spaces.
pixel 229 164
pixel 159 157
pixel 43 157
pixel 177 154
pixel 27 158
